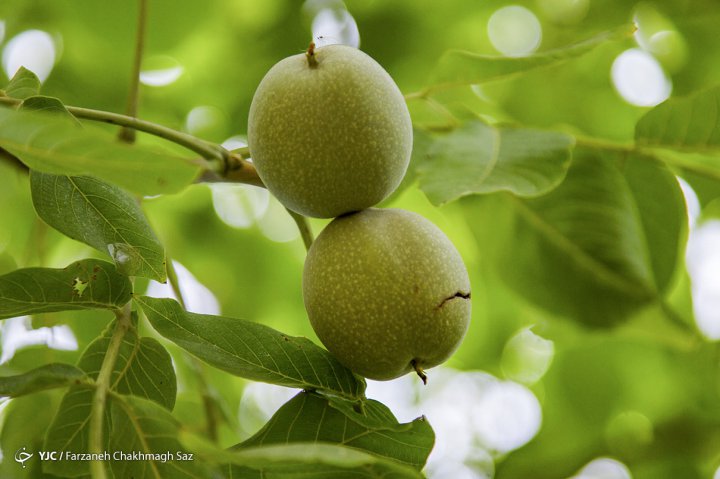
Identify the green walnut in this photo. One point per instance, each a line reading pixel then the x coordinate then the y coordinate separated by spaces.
pixel 329 132
pixel 386 292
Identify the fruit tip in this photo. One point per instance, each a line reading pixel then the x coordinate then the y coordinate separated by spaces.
pixel 419 371
pixel 310 55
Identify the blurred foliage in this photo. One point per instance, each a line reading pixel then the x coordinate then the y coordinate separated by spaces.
pixel 646 391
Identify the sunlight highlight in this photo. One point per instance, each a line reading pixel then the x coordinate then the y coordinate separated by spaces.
pixel 692 204
pixel 527 357
pixel 161 71
pixel 476 417
pixel 604 468
pixel 703 265
pixel 258 403
pixel 335 26
pixel 198 298
pixel 204 120
pixel 32 49
pixel 239 206
pixel 277 225
pixel 18 333
pixel 514 31
pixel 640 79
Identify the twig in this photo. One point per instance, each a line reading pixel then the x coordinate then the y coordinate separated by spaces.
pixel 128 134
pixel 102 386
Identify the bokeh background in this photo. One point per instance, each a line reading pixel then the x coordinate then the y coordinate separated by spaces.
pixel 528 394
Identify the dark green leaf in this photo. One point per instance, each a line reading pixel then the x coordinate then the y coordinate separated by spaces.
pixel 55 375
pixel 86 284
pixel 69 432
pixel 102 216
pixel 593 249
pixel 478 158
pixel 457 67
pixel 690 124
pixel 143 368
pixel 251 350
pixel 143 426
pixel 23 84
pixel 57 145
pixel 309 417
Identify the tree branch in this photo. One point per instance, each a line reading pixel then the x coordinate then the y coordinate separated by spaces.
pixel 102 386
pixel 128 134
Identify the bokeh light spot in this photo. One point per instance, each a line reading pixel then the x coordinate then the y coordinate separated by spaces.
pixel 507 416
pixel 692 204
pixel 205 122
pixel 160 71
pixel 277 225
pixel 604 468
pixel 640 79
pixel 32 49
pixel 527 357
pixel 18 333
pixel 703 264
pixel 335 26
pixel 514 31
pixel 239 206
pixel 259 402
pixel 197 297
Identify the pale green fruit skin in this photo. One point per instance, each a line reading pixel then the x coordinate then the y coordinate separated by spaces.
pixel 380 290
pixel 329 139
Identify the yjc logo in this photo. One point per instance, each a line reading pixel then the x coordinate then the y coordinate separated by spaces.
pixel 21 456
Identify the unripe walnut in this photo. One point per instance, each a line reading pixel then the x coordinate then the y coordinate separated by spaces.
pixel 329 132
pixel 386 292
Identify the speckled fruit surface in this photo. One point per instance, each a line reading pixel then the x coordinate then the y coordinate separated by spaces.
pixel 384 288
pixel 331 138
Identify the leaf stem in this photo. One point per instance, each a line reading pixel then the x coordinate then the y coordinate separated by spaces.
pixel 304 227
pixel 102 386
pixel 128 134
pixel 173 279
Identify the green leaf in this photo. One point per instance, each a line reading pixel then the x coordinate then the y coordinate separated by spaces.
pixel 49 376
pixel 143 426
pixel 457 67
pixel 308 461
pixel 25 421
pixel 310 417
pixel 479 158
pixel 86 284
pixel 593 249
pixel 69 432
pixel 57 145
pixel 103 216
pixel 46 104
pixel 23 84
pixel 143 367
pixel 251 350
pixel 689 124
